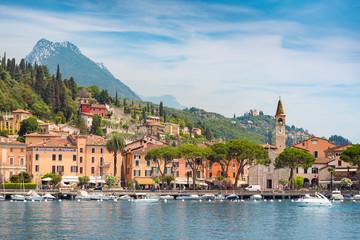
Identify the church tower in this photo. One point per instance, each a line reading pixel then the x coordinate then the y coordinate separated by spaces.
pixel 280 128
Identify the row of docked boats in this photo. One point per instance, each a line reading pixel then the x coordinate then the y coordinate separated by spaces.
pixel 32 196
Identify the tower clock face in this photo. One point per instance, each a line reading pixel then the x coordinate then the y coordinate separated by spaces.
pixel 280 131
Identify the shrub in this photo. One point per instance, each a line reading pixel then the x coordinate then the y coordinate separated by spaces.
pixel 20 185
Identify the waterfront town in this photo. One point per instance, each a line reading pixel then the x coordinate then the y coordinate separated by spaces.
pixel 60 149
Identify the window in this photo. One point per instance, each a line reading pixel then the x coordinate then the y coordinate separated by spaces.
pixel 136 156
pixel 81 150
pixel 80 169
pixel 305 170
pixel 339 163
pixel 188 165
pixel 175 164
pixel 101 150
pixel 210 166
pixel 316 154
pixel 22 162
pixel 54 157
pixel 37 168
pixel 147 173
pixel 92 170
pixel 297 170
pixel 168 170
pixel 198 175
pixel 155 171
pixel 37 157
pixel 21 150
pixel 11 149
pixel 73 169
pixel 53 169
pixel 11 160
pixel 315 170
pixel 147 163
pixel 80 159
pixel 60 169
pixel 101 161
pixel 314 142
pixel 136 173
pixel 210 174
pixel 74 158
pixel 93 150
pixel 92 159
pixel 303 144
pixel 233 174
pixel 233 166
pixel 137 163
pixel 60 157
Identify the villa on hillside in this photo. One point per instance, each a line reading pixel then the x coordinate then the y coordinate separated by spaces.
pixel 10 121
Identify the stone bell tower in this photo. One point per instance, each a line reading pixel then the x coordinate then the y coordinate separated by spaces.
pixel 280 128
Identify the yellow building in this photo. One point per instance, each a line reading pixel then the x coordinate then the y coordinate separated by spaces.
pixel 12 157
pixel 11 121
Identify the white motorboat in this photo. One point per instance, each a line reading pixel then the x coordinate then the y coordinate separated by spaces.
pixel 188 197
pixel 125 197
pixel 336 195
pixel 83 196
pixel 208 197
pixel 220 197
pixel 317 200
pixel 232 197
pixel 113 197
pixel 99 196
pixel 167 197
pixel 256 197
pixel 48 197
pixel 144 198
pixel 18 197
pixel 357 197
pixel 33 196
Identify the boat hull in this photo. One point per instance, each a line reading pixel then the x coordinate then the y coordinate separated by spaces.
pixel 18 197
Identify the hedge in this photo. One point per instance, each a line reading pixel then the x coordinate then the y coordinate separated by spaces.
pixel 20 185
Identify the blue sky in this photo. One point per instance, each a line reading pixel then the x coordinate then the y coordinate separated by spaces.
pixel 222 56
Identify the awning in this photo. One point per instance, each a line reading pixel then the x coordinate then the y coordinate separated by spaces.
pixel 48 179
pixel 145 181
pixel 345 170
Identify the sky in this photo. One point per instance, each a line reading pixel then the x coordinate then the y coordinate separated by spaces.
pixel 221 56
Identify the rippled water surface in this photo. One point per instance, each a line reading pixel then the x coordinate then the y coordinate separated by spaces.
pixel 177 220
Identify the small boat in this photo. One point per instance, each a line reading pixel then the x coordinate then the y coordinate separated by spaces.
pixel 83 196
pixel 232 197
pixel 348 197
pixel 113 197
pixel 33 196
pixel 317 200
pixel 144 198
pixel 256 197
pixel 48 197
pixel 167 197
pixel 18 197
pixel 99 196
pixel 125 197
pixel 357 197
pixel 208 197
pixel 188 197
pixel 336 195
pixel 220 197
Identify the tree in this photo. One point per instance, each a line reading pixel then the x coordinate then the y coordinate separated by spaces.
pixel 161 108
pixel 168 179
pixel 352 155
pixel 247 153
pixel 220 154
pixel 293 158
pixel 331 171
pixel 96 125
pixel 111 181
pixel 346 182
pixel 144 115
pixel 283 182
pixel 55 179
pixel 83 181
pixel 194 156
pixel 29 125
pixel 115 144
pixel 299 181
pixel 162 157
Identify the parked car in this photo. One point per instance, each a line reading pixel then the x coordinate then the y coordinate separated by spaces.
pixel 253 188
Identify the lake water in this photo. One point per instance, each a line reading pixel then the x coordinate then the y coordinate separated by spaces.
pixel 177 220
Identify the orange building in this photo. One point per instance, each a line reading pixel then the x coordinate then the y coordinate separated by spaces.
pixel 12 157
pixel 11 121
pixel 71 157
pixel 316 146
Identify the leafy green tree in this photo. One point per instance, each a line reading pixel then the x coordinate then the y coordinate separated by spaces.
pixel 111 181
pixel 293 158
pixel 29 125
pixel 79 122
pixel 15 179
pixel 83 181
pixel 346 182
pixel 221 154
pixel 247 153
pixel 115 144
pixel 283 182
pixel 55 178
pixel 96 125
pixel 299 181
pixel 352 155
pixel 168 179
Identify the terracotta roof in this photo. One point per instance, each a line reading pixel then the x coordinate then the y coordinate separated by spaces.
pixel 21 111
pixel 36 134
pixel 95 140
pixel 4 140
pixel 144 150
pixel 98 106
pixel 340 148
pixel 54 142
pixel 280 109
pixel 323 160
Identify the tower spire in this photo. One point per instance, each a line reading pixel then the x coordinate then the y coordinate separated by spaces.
pixel 280 109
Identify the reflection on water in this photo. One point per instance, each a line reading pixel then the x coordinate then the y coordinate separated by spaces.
pixel 177 220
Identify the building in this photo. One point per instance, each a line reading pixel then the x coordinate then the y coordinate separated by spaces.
pixel 196 131
pixel 280 135
pixel 71 157
pixel 316 146
pixel 11 121
pixel 86 106
pixel 34 138
pixel 172 129
pixel 12 157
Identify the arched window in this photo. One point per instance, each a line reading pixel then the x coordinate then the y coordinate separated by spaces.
pixel 280 122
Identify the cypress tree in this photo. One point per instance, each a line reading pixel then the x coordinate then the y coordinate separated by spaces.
pixel 116 100
pixel 40 81
pixel 164 116
pixel 148 107
pixel 161 109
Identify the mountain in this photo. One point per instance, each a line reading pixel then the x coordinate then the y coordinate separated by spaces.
pixel 74 64
pixel 168 101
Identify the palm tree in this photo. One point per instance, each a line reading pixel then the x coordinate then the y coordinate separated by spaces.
pixel 115 144
pixel 331 171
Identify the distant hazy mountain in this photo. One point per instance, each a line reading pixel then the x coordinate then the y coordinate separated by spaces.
pixel 74 64
pixel 168 101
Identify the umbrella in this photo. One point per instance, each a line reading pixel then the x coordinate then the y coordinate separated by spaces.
pixel 48 179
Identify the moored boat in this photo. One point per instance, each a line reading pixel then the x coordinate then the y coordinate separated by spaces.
pixel 167 197
pixel 33 196
pixel 99 196
pixel 125 197
pixel 220 197
pixel 317 200
pixel 188 197
pixel 208 197
pixel 232 197
pixel 336 195
pixel 83 196
pixel 143 198
pixel 48 197
pixel 256 197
